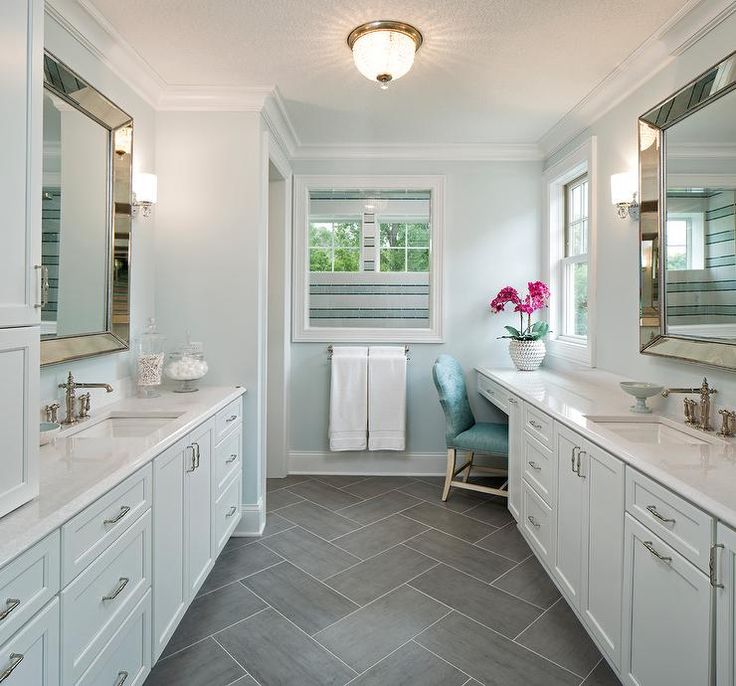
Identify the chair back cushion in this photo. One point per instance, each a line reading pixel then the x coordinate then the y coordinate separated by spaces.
pixel 449 379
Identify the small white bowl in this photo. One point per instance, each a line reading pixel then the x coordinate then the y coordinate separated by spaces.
pixel 641 390
pixel 48 432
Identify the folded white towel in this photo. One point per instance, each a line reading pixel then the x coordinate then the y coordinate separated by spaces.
pixel 349 398
pixel 387 398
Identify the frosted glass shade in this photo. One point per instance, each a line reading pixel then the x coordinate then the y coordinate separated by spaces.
pixel 384 55
pixel 145 187
pixel 623 188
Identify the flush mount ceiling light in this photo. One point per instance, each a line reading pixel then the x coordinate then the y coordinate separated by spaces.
pixel 384 50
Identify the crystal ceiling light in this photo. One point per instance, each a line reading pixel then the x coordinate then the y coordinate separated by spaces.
pixel 383 51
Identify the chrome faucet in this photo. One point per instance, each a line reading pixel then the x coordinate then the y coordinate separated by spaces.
pixel 71 387
pixel 702 420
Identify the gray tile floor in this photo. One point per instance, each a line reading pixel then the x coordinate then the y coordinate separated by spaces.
pixel 375 582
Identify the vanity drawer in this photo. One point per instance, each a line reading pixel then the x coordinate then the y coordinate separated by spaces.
pixel 493 392
pixel 86 536
pixel 227 418
pixel 227 460
pixel 537 522
pixel 538 468
pixel 539 425
pixel 128 655
pixel 96 603
pixel 685 527
pixel 227 511
pixel 27 584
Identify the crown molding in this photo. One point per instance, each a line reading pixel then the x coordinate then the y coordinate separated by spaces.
pixel 694 20
pixel 481 152
pixel 214 98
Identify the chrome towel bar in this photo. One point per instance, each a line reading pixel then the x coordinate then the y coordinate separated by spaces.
pixel 331 349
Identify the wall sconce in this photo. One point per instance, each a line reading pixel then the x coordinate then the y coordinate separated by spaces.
pixel 624 195
pixel 145 193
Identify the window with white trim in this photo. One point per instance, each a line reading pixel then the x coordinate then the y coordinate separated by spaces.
pixel 570 231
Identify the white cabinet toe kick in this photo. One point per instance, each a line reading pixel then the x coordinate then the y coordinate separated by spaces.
pixel 650 574
pixel 97 600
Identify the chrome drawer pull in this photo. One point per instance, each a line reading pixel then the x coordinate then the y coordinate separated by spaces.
pixel 123 511
pixel 535 424
pixel 122 677
pixel 713 566
pixel 650 547
pixel 533 522
pixel 232 458
pixel 10 605
pixel 575 452
pixel 123 583
pixel 653 510
pixel 231 418
pixel 534 466
pixel 577 469
pixel 15 660
pixel 195 447
pixel 513 402
pixel 194 459
pixel 231 511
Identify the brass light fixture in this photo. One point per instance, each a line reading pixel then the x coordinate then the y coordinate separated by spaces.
pixel 383 51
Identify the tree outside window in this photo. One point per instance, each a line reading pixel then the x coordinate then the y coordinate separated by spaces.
pixel 334 246
pixel 404 247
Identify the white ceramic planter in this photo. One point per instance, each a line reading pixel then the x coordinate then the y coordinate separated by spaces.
pixel 527 355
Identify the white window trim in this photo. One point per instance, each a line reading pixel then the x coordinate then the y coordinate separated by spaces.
pixel 301 329
pixel 580 161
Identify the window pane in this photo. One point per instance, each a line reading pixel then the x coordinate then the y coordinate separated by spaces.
pixel 418 260
pixel 418 235
pixel 579 297
pixel 347 260
pixel 347 234
pixel 320 234
pixel 393 235
pixel 393 260
pixel 319 260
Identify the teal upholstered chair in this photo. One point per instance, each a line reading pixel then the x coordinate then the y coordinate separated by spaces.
pixel 464 433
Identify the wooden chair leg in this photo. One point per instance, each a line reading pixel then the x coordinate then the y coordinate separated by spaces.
pixel 451 457
pixel 471 456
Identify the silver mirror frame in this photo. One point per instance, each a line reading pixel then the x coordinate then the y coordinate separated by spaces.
pixel 712 84
pixel 57 79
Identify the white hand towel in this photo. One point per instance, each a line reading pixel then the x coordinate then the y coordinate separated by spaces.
pixel 349 398
pixel 387 398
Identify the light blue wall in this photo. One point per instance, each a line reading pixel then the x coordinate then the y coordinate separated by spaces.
pixel 492 232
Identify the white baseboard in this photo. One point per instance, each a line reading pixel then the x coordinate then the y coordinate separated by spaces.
pixel 252 520
pixel 368 463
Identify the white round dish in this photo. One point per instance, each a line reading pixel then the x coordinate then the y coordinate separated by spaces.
pixel 641 390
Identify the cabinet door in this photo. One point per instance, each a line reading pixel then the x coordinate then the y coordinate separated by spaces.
pixel 603 546
pixel 516 429
pixel 21 83
pixel 568 556
pixel 725 575
pixel 667 614
pixel 31 657
pixel 198 508
pixel 19 402
pixel 170 591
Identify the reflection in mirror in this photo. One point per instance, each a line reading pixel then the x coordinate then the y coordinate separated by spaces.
pixel 74 220
pixel 86 219
pixel 700 227
pixel 369 256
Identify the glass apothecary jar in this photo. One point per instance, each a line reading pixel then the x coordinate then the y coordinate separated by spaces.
pixel 186 367
pixel 149 361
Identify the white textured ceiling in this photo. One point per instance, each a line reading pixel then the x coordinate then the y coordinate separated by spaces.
pixel 490 71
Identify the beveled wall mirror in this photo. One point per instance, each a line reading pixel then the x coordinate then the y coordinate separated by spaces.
pixel 687 171
pixel 86 219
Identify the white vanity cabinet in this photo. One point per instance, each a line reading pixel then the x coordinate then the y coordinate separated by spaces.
pixel 724 579
pixel 182 529
pixel 19 422
pixel 21 81
pixel 588 532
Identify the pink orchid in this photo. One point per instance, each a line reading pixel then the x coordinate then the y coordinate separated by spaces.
pixel 536 299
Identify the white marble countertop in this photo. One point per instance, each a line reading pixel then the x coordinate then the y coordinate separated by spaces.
pixel 704 474
pixel 75 471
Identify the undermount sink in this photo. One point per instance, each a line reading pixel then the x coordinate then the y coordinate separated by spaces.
pixel 652 431
pixel 122 425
